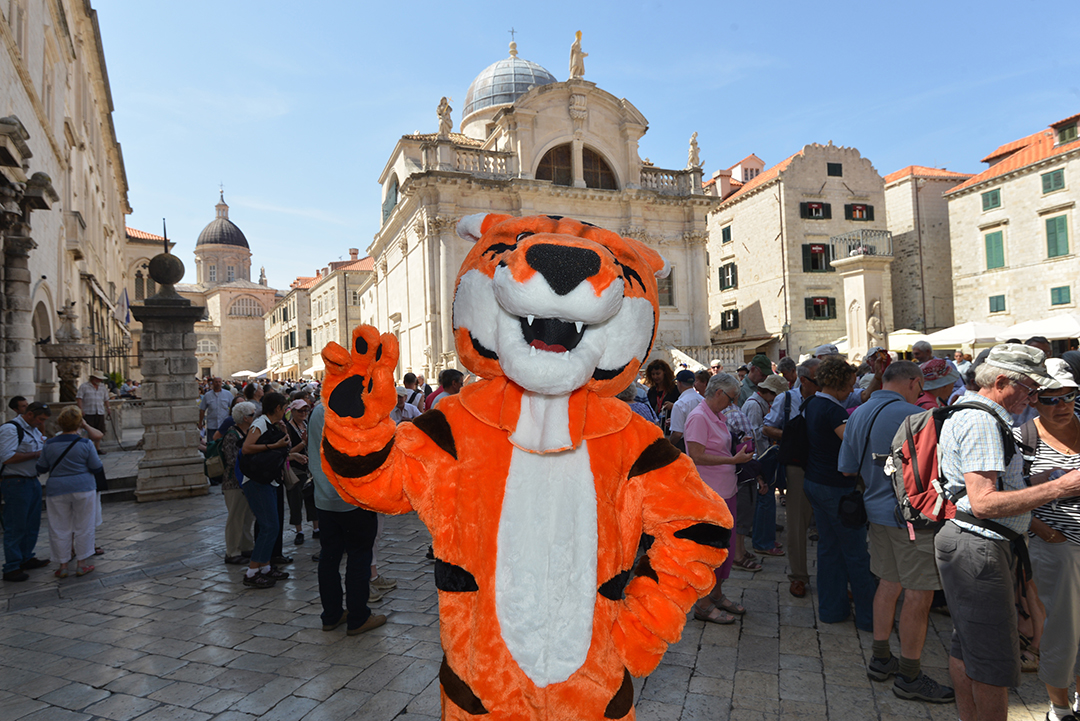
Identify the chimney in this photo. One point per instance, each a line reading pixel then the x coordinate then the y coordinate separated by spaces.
pixel 326 270
pixel 354 253
pixel 723 183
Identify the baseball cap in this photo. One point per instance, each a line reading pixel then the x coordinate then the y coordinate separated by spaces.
pixel 685 376
pixel 776 384
pixel 403 391
pixel 1059 370
pixel 937 373
pixel 763 363
pixel 298 403
pixel 1022 359
pixel 826 349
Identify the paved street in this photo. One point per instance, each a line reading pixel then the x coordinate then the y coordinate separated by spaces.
pixel 164 630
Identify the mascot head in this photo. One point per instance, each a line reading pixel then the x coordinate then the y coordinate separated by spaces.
pixel 554 304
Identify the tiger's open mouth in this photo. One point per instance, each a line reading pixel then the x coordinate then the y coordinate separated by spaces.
pixel 551 335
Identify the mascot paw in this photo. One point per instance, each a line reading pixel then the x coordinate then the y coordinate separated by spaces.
pixel 359 386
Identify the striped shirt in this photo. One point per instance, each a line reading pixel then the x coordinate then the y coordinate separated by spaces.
pixel 1062 514
pixel 971 441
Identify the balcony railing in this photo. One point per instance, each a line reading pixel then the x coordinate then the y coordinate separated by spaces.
pixel 861 242
pixel 445 155
pixel 669 182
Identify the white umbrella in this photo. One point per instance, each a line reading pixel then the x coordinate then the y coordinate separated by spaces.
pixel 1056 327
pixel 971 333
pixel 243 374
pixel 681 358
pixel 901 340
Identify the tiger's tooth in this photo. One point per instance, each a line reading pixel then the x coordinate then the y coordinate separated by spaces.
pixel 579 325
pixel 565 356
pixel 532 350
pixel 529 318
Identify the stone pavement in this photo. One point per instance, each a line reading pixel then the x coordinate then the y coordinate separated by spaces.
pixel 163 630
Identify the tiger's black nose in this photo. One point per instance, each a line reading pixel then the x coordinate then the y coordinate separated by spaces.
pixel 563 267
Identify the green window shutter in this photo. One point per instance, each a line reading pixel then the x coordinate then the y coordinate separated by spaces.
pixel 1054 180
pixel 1057 237
pixel 847 212
pixel 806 258
pixel 725 235
pixel 804 210
pixel 831 312
pixel 995 250
pixel 809 307
pixel 735 319
pixel 1061 295
pixel 734 276
pixel 869 212
pixel 826 210
pixel 720 277
pixel 997 303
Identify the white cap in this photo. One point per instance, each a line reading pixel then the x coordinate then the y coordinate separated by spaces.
pixel 1059 370
pixel 403 391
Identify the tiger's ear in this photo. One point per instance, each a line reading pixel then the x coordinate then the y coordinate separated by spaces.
pixel 471 227
pixel 660 266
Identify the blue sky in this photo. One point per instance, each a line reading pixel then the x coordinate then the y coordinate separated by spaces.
pixel 295 107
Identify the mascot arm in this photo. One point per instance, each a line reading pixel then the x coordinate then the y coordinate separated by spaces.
pixel 690 526
pixel 359 451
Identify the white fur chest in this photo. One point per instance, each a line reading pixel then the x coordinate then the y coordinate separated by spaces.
pixel 545 573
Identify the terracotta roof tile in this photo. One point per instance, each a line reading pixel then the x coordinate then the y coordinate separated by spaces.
pixel 1012 147
pixel 303 281
pixel 921 171
pixel 766 176
pixel 1066 121
pixel 457 138
pixel 142 234
pixel 367 263
pixel 751 156
pixel 1041 148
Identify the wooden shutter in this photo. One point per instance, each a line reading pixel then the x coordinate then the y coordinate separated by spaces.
pixel 826 211
pixel 831 307
pixel 806 265
pixel 869 212
pixel 995 249
pixel 1057 237
pixel 734 319
pixel 804 210
pixel 847 212
pixel 734 276
pixel 809 303
pixel 828 259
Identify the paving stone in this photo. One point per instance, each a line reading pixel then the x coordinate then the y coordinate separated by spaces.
pixel 74 696
pixel 16 707
pixel 261 700
pixel 121 707
pixel 341 705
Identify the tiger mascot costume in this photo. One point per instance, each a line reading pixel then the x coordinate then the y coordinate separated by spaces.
pixel 536 485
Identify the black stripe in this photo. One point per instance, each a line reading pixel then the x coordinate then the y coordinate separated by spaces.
pixel 658 454
pixel 435 426
pixel 459 692
pixel 644 569
pixel 623 700
pixel 612 589
pixel 482 350
pixel 355 466
pixel 600 374
pixel 707 534
pixel 453 579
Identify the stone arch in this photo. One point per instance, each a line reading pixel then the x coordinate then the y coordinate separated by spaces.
pixel 44 373
pixel 246 306
pixel 390 197
pixel 555 164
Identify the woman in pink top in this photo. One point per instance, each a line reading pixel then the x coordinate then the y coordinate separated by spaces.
pixel 708 443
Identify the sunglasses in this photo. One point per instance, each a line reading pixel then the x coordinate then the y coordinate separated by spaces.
pixel 1030 391
pixel 1054 400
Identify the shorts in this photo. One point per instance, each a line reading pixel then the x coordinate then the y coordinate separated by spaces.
pixel 895 557
pixel 978 576
pixel 96 421
pixel 745 499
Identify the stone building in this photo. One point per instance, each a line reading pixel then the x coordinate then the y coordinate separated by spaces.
pixel 287 329
pixel 231 335
pixel 335 299
pixel 772 288
pixel 1014 229
pixel 529 144
pixel 63 191
pixel 917 215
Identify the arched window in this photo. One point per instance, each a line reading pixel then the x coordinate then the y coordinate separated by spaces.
pixel 597 173
pixel 391 199
pixel 140 286
pixel 207 346
pixel 555 166
pixel 247 307
pixel 151 287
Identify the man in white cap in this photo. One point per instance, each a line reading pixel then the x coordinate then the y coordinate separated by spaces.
pixel 976 558
pixel 827 349
pixel 715 367
pixel 93 400
pixel 403 411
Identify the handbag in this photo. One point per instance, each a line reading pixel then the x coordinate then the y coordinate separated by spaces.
pixel 289 478
pixel 100 481
pixel 266 466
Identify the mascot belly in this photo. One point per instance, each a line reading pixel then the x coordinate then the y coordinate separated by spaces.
pixel 537 486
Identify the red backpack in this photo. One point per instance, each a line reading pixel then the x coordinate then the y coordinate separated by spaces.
pixel 914 463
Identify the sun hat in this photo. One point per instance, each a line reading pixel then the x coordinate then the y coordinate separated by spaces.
pixel 1024 359
pixel 937 373
pixel 826 349
pixel 774 383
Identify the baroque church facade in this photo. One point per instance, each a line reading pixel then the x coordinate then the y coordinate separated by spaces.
pixel 230 337
pixel 529 144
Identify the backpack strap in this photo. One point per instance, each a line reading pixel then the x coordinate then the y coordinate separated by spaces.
pixel 787 406
pixel 1029 442
pixel 70 446
pixel 18 431
pixel 870 429
pixel 1008 443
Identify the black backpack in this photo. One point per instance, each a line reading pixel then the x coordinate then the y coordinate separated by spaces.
pixel 795 443
pixel 266 466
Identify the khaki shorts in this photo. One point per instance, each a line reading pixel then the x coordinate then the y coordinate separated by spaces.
pixel 895 557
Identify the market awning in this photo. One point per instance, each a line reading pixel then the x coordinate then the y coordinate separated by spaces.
pixel 284 369
pixel 263 372
pixel 681 358
pixel 901 340
pixel 971 333
pixel 1056 327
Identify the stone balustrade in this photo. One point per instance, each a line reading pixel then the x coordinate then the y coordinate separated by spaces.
pixel 671 182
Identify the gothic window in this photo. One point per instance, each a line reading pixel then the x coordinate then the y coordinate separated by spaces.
pixel 597 173
pixel 212 274
pixel 555 166
pixel 140 286
pixel 246 307
pixel 151 286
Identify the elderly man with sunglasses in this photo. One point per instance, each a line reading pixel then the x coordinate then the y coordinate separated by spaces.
pixel 976 552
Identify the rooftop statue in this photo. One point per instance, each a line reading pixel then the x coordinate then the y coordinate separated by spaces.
pixel 577 58
pixel 446 122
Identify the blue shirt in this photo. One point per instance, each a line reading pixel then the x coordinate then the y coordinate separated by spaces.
pixel 880 498
pixel 32 441
pixel 75 472
pixel 775 418
pixel 326 496
pixel 823 417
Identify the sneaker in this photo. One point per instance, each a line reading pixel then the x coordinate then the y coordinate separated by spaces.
pixel 879 670
pixel 235 560
pixel 374 595
pixel 923 688
pixel 299 540
pixel 276 574
pixel 383 583
pixel 1066 717
pixel 372 622
pixel 259 580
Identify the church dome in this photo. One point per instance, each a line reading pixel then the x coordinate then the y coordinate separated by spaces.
pixel 221 230
pixel 504 82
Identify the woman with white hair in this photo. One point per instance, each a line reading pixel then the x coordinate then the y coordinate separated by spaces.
pixel 239 540
pixel 708 443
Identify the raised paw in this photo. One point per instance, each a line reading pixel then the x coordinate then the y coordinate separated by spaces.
pixel 359 386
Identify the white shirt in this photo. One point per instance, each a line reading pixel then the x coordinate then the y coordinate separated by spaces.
pixel 687 402
pixel 406 413
pixel 32 442
pixel 418 401
pixel 438 398
pixel 216 406
pixel 93 399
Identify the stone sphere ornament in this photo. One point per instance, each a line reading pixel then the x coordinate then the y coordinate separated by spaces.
pixel 166 269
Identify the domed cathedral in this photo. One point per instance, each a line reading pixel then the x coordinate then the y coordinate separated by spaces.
pixel 230 335
pixel 529 144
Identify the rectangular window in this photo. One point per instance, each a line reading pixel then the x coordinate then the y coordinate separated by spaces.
pixel 995 250
pixel 309 337
pixel 729 320
pixel 858 211
pixel 991 199
pixel 816 258
pixel 284 314
pixel 213 274
pixel 835 170
pixel 997 304
pixel 1054 180
pixel 1057 237
pixel 230 273
pixel 725 234
pixel 729 277
pixel 666 289
pixel 1061 295
pixel 820 308
pixel 1067 134
pixel 815 211
pixel 292 339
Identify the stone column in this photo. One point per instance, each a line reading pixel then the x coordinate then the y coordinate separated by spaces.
pixel 172 466
pixel 866 281
pixel 577 170
pixel 18 329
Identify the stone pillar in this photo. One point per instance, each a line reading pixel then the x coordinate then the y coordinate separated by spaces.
pixel 172 466
pixel 867 281
pixel 577 148
pixel 18 329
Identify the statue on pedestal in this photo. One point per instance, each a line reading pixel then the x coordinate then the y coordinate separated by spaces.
pixel 693 159
pixel 875 327
pixel 577 58
pixel 446 122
